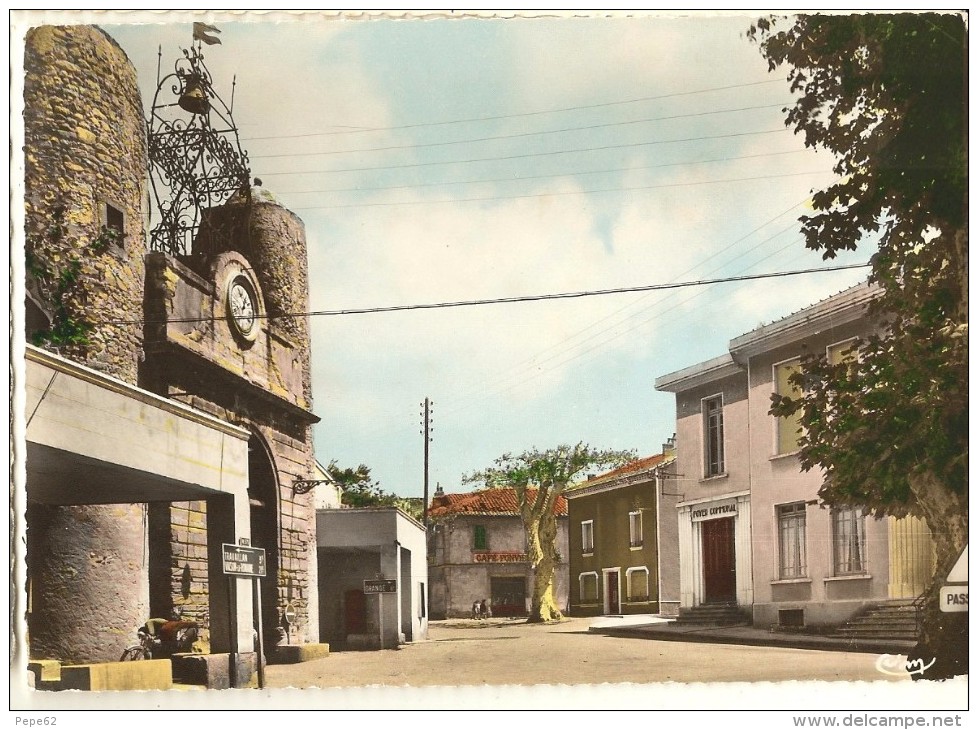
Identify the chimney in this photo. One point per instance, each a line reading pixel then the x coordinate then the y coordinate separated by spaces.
pixel 669 447
pixel 438 499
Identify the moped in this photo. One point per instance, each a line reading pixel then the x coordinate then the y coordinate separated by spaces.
pixel 161 638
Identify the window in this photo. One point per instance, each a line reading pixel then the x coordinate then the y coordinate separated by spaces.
pixel 115 219
pixel 113 225
pixel 587 537
pixel 589 587
pixel 637 583
pixel 849 541
pixel 713 435
pixel 788 427
pixel 841 352
pixel 791 540
pixel 480 537
pixel 424 603
pixel 635 529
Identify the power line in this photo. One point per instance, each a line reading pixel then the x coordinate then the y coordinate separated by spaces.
pixel 517 135
pixel 518 115
pixel 538 177
pixel 552 195
pixel 502 300
pixel 536 362
pixel 529 154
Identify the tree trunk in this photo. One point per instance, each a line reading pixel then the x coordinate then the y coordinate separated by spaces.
pixel 942 647
pixel 542 553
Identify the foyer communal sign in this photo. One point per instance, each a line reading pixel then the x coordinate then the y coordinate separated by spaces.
pixel 380 586
pixel 714 510
pixel 244 560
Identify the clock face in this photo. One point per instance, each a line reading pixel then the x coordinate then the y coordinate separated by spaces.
pixel 242 308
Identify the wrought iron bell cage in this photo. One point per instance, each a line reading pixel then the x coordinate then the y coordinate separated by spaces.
pixel 195 156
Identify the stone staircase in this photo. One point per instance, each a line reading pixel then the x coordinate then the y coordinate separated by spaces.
pixel 713 614
pixel 890 620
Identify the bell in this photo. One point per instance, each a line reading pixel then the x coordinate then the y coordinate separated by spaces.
pixel 194 98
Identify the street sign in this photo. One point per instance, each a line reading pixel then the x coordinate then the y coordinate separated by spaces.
pixel 954 599
pixel 379 586
pixel 244 561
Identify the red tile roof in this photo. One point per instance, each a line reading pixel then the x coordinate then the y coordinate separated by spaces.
pixel 498 501
pixel 632 467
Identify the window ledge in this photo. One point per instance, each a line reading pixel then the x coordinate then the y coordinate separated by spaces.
pixel 715 477
pixel 860 576
pixel 635 547
pixel 786 455
pixel 587 555
pixel 790 581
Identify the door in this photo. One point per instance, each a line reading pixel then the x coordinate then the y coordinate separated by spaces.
pixel 355 612
pixel 507 596
pixel 611 591
pixel 719 564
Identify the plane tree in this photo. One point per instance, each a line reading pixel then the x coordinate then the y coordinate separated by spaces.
pixel 888 426
pixel 538 478
pixel 361 490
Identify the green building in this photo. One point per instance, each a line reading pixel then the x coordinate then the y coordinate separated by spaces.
pixel 623 539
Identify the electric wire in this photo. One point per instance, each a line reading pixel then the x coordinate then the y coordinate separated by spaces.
pixel 521 178
pixel 603 148
pixel 525 196
pixel 535 362
pixel 497 300
pixel 515 135
pixel 519 115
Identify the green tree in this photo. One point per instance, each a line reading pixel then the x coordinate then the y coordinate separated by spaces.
pixel 538 479
pixel 360 490
pixel 886 94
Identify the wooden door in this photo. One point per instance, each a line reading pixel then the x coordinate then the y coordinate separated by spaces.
pixel 355 612
pixel 611 590
pixel 719 561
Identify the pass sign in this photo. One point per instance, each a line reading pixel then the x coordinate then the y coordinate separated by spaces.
pixel 244 560
pixel 380 586
pixel 954 599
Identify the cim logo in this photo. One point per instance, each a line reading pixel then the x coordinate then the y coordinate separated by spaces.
pixel 898 666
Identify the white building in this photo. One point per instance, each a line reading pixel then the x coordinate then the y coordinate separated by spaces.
pixel 363 551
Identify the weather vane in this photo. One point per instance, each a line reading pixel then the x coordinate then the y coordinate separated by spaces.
pixel 195 156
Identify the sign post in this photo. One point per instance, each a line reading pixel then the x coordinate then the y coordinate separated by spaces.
pixel 380 587
pixel 954 594
pixel 244 561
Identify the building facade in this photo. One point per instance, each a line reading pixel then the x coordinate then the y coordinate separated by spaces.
pixel 751 529
pixel 170 402
pixel 477 552
pixel 358 549
pixel 623 539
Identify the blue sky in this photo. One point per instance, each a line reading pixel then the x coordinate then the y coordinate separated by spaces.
pixel 456 159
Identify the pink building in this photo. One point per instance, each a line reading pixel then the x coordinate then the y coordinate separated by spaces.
pixel 751 530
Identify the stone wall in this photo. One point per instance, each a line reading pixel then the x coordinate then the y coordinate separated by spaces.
pixel 85 148
pixel 88 589
pixel 85 162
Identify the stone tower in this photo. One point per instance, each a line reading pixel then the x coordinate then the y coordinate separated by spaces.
pixel 85 162
pixel 247 360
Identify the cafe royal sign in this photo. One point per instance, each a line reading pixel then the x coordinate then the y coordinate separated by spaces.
pixel 714 510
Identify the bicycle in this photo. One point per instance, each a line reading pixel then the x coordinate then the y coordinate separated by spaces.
pixel 161 639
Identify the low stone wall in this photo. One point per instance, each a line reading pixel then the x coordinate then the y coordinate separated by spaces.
pixel 151 674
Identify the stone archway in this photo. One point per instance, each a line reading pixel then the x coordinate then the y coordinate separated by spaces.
pixel 263 497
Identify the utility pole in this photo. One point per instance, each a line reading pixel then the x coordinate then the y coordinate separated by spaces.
pixel 427 440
